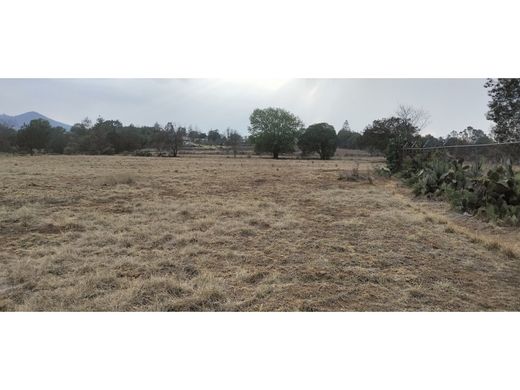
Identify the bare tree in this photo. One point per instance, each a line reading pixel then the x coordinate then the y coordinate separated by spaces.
pixel 418 117
pixel 233 139
pixel 174 137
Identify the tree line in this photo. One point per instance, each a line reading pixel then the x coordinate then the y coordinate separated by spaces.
pixel 272 130
pixel 276 131
pixel 109 137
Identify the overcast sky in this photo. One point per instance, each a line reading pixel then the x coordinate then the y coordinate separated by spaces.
pixel 217 104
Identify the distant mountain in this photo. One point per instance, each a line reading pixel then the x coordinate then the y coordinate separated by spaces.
pixel 17 121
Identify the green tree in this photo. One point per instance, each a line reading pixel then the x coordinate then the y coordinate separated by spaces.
pixel 429 141
pixel 470 135
pixel 194 135
pixel 105 136
pixel 7 138
pixel 130 138
pixel 274 130
pixel 391 135
pixel 33 136
pixel 347 138
pixel 57 141
pixel 214 137
pixel 101 138
pixel 504 108
pixel 79 137
pixel 319 138
pixel 454 138
pixel 346 126
pixel 377 136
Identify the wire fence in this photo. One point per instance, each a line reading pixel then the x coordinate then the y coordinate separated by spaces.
pixel 491 153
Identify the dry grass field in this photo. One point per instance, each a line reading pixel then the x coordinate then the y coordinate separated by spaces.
pixel 116 233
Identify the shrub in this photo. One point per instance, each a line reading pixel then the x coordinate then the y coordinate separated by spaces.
pixel 143 153
pixel 494 196
pixel 382 171
pixel 394 156
pixel 112 180
pixel 355 175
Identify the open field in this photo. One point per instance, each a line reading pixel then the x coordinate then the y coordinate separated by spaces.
pixel 215 233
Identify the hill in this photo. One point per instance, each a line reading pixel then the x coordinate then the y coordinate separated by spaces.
pixel 17 121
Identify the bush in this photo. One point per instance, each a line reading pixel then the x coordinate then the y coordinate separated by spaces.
pixel 438 176
pixel 143 153
pixel 113 180
pixel 394 156
pixel 494 196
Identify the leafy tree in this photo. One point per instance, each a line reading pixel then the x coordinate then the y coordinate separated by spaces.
pixel 58 140
pixel 470 135
pixel 390 135
pixel 347 138
pixel 194 135
pixel 128 139
pixel 79 137
pixel 504 108
pixel 394 156
pixel 214 137
pixel 33 136
pixel 7 138
pixel 274 130
pixel 146 135
pixel 84 125
pixel 429 141
pixel 104 138
pixel 233 140
pixel 346 126
pixel 377 136
pixel 319 138
pixel 454 139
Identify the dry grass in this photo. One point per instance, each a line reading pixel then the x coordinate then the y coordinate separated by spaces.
pixel 214 233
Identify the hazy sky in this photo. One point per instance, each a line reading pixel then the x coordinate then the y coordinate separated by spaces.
pixel 214 103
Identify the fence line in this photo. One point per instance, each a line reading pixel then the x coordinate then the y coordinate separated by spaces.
pixel 462 146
